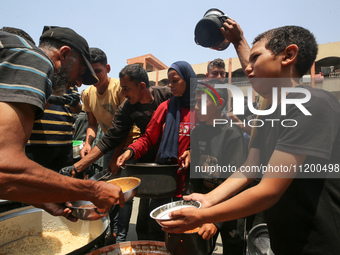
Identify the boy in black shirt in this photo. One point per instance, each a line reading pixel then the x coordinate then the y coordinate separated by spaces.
pixel 216 146
pixel 302 210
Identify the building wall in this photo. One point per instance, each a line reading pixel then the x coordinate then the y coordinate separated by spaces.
pixel 328 50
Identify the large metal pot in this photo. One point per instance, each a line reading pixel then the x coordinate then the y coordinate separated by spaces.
pixel 135 247
pixel 19 223
pixel 188 243
pixel 157 181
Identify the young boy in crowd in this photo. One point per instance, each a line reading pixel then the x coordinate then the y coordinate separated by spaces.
pixel 302 210
pixel 212 147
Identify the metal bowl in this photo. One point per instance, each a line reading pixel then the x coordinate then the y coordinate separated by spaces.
pixel 86 210
pixel 129 186
pixel 161 213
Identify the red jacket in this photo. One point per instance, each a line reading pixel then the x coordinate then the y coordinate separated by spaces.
pixel 153 136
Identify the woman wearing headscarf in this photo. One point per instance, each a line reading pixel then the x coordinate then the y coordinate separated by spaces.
pixel 170 126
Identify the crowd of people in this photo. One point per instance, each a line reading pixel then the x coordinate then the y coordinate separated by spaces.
pixel 167 125
pixel 61 61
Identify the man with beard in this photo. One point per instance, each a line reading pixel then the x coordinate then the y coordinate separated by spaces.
pixel 51 141
pixel 26 81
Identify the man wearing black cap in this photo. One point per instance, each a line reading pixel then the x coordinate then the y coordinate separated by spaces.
pixel 51 141
pixel 62 44
pixel 27 77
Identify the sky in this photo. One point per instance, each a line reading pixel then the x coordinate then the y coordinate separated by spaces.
pixel 126 29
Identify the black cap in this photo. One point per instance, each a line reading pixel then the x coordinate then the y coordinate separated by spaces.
pixel 70 37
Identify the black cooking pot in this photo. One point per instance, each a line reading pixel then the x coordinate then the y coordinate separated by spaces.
pixel 157 181
pixel 208 30
pixel 188 243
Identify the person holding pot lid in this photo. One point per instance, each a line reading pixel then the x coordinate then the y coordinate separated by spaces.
pixel 302 208
pixel 170 123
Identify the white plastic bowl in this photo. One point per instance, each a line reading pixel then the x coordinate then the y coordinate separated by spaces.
pixel 161 213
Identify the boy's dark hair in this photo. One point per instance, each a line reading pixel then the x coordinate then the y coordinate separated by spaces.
pixel 136 73
pixel 98 56
pixel 19 32
pixel 223 93
pixel 216 62
pixel 280 38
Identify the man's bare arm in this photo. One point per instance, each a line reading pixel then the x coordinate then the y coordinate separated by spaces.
pixel 25 181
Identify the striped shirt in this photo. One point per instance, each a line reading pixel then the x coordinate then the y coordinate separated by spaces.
pixel 26 73
pixel 55 127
